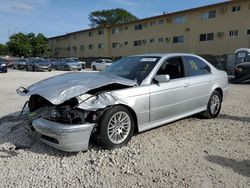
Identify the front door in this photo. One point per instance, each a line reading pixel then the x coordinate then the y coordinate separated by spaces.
pixel 169 99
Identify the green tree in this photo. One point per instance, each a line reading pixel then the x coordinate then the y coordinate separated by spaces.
pixel 27 45
pixel 3 49
pixel 106 18
pixel 39 45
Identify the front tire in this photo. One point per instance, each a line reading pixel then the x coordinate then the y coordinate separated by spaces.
pixel 116 128
pixel 94 67
pixel 213 106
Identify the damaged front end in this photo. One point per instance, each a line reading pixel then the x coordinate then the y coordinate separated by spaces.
pixel 67 124
pixel 61 126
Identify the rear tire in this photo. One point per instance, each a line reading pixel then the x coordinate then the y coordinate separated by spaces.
pixel 94 67
pixel 116 128
pixel 213 106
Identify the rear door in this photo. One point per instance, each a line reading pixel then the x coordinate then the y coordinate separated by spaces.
pixel 169 99
pixel 201 81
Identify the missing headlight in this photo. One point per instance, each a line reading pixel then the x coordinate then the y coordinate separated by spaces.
pixel 65 114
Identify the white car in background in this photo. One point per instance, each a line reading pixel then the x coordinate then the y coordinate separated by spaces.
pixel 101 64
pixel 71 59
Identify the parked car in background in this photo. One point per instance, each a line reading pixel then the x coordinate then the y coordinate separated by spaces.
pixel 38 64
pixel 101 64
pixel 134 94
pixel 20 64
pixel 74 59
pixel 67 65
pixel 3 66
pixel 242 70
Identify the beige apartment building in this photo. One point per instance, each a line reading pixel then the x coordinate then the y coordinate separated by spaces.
pixel 215 29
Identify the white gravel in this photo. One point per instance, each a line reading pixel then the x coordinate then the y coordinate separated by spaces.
pixel 192 152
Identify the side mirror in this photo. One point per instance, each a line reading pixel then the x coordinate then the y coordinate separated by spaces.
pixel 162 78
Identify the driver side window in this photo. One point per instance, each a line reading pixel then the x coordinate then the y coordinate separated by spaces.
pixel 172 67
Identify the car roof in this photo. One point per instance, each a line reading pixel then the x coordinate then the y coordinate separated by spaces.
pixel 242 49
pixel 165 55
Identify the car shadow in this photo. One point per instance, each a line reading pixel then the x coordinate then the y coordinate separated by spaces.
pixel 235 118
pixel 241 167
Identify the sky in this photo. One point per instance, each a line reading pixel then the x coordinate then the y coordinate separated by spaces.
pixel 58 17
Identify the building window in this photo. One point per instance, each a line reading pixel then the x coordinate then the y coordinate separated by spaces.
pixel 91 46
pixel 74 48
pixel 167 39
pixel 207 37
pixel 233 33
pixel 126 27
pixel 68 48
pixel 91 33
pixel 152 40
pixel 115 45
pixel 179 20
pixel 248 32
pixel 126 43
pixel 115 30
pixel 82 47
pixel 137 43
pixel 161 22
pixel 145 24
pixel 208 15
pixel 101 32
pixel 178 39
pixel 100 46
pixel 152 23
pixel 138 27
pixel 160 39
pixel 236 8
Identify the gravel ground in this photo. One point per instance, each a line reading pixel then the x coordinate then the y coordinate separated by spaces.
pixel 192 152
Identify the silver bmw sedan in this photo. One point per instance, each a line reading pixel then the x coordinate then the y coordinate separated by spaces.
pixel 134 94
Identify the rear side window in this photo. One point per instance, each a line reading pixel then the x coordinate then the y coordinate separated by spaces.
pixel 196 67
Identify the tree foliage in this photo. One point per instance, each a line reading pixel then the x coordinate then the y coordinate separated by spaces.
pixel 27 45
pixel 3 49
pixel 106 18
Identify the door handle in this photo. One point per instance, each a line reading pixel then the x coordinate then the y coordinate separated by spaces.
pixel 186 85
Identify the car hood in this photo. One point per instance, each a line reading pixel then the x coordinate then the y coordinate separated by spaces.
pixel 59 89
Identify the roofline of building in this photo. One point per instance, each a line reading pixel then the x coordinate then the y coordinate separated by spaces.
pixel 228 2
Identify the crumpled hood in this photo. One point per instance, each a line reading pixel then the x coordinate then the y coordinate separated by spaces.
pixel 61 88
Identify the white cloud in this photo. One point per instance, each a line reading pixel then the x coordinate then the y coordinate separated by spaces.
pixel 22 7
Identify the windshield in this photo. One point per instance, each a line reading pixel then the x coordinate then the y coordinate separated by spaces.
pixel 71 61
pixel 133 68
pixel 40 61
pixel 107 61
pixel 247 59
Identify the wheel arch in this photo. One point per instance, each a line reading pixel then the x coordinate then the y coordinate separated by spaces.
pixel 133 114
pixel 220 92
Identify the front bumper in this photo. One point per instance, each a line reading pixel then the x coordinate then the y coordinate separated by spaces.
pixel 75 67
pixel 43 68
pixel 71 138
